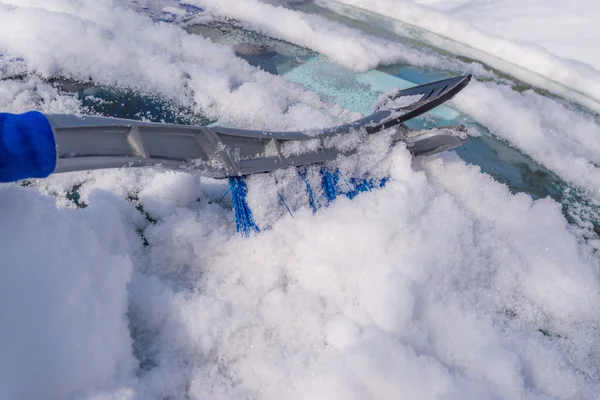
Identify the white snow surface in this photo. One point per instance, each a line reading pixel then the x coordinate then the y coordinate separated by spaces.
pixel 492 32
pixel 346 46
pixel 442 285
pixel 63 296
pixel 568 29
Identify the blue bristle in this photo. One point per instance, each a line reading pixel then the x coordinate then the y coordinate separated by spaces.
pixel 355 186
pixel 329 184
pixel 285 204
pixel 363 185
pixel 244 222
pixel 313 201
pixel 360 186
pixel 333 184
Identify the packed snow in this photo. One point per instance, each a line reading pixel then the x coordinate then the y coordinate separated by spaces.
pixel 443 284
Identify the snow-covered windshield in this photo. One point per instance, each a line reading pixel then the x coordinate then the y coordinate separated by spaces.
pixel 472 274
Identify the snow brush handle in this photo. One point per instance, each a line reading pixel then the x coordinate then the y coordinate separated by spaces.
pixel 27 146
pixel 34 145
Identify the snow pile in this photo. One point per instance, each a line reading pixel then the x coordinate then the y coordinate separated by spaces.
pixel 440 284
pixel 349 47
pixel 63 296
pixel 32 93
pixel 567 29
pixel 162 59
pixel 560 137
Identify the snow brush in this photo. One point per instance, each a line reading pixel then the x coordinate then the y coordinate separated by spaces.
pixel 35 145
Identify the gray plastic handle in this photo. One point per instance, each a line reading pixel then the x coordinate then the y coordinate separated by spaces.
pixel 86 143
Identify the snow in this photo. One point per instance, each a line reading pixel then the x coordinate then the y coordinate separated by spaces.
pixel 63 296
pixel 347 46
pixel 558 136
pixel 525 60
pixel 443 284
pixel 390 100
pixel 388 293
pixel 191 69
pixel 566 29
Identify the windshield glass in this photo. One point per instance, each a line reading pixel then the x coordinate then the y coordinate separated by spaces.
pixel 353 91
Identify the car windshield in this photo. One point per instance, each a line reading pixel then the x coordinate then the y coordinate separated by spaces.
pixel 353 91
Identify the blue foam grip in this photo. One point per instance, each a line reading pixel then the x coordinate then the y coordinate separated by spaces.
pixel 27 146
